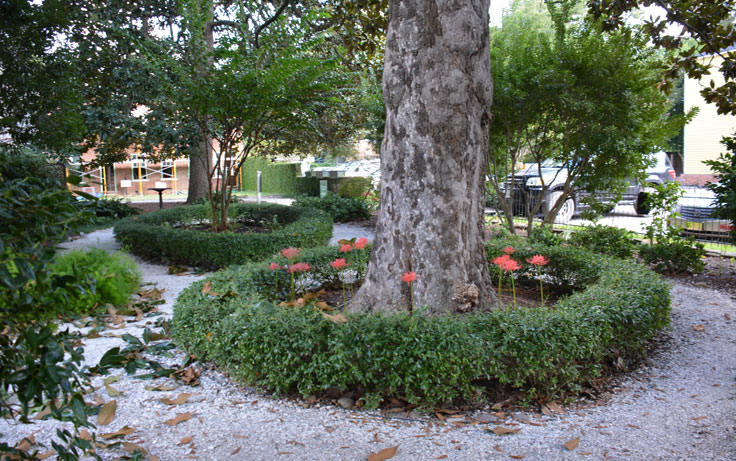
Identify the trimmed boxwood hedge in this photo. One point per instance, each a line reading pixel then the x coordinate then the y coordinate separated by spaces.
pixel 155 235
pixel 543 352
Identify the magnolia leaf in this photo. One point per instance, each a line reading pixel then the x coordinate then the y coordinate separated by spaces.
pixel 179 418
pixel 337 318
pixel 500 430
pixel 111 391
pixel 132 448
pixel 125 430
pixel 185 440
pixel 162 387
pixel 107 413
pixel 180 400
pixel 386 453
pixel 572 444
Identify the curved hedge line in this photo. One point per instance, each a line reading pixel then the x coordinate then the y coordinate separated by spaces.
pixel 152 235
pixel 425 360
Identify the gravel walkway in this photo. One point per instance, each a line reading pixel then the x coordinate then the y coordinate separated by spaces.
pixel 679 405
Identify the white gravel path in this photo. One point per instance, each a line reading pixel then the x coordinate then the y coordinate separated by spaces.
pixel 680 405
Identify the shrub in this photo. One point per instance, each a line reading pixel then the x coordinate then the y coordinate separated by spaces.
pixel 604 239
pixel 108 209
pixel 158 235
pixel 115 277
pixel 545 235
pixel 674 255
pixel 342 209
pixel 276 178
pixel 353 187
pixel 425 360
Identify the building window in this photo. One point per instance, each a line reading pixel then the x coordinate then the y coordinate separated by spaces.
pixel 167 170
pixel 139 167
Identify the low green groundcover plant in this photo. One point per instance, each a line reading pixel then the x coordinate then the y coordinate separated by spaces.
pixel 112 278
pixel 233 318
pixel 163 235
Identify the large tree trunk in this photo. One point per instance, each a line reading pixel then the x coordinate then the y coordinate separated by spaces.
pixel 200 161
pixel 437 89
pixel 199 168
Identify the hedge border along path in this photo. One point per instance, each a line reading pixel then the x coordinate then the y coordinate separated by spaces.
pixel 544 353
pixel 151 235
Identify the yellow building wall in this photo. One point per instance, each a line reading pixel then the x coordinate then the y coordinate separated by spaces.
pixel 704 133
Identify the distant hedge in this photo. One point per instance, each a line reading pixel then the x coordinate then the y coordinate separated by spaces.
pixel 156 235
pixel 349 187
pixel 543 353
pixel 276 178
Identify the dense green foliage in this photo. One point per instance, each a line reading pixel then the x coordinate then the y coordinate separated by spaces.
pixel 618 305
pixel 276 178
pixel 667 250
pixel 674 254
pixel 566 91
pixel 159 236
pixel 115 276
pixel 725 189
pixel 38 364
pixel 342 209
pixel 702 27
pixel 608 240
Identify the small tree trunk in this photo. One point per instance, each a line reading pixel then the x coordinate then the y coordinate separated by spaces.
pixel 437 89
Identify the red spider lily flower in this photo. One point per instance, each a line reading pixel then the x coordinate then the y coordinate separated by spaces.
pixel 361 243
pixel 298 267
pixel 537 260
pixel 274 266
pixel 409 277
pixel 290 253
pixel 510 265
pixel 345 248
pixel 501 260
pixel 509 250
pixel 339 263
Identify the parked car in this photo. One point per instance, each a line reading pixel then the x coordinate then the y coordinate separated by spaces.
pixel 527 188
pixel 695 215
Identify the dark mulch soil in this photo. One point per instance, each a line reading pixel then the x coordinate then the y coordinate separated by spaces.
pixel 719 274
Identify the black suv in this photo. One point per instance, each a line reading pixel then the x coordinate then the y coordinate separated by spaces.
pixel 527 188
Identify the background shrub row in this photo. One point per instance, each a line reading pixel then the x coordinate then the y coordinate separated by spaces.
pixel 155 235
pixel 543 352
pixel 342 209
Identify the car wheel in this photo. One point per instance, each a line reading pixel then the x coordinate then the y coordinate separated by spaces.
pixel 566 212
pixel 641 206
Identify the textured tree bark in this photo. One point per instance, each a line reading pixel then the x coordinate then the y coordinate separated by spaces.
pixel 199 168
pixel 200 161
pixel 437 89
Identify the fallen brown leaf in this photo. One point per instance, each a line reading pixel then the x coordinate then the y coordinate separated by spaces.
pixel 235 451
pixel 699 328
pixel 238 436
pixel 185 440
pixel 441 457
pixel 516 456
pixel 161 387
pixel 107 413
pixel 179 400
pixel 386 453
pixel 337 318
pixel 132 448
pixel 500 430
pixel 85 435
pixel 179 418
pixel 125 430
pixel 497 448
pixel 48 454
pixel 572 444
pixel 111 391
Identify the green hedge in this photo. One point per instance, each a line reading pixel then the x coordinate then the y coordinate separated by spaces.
pixel 155 235
pixel 350 187
pixel 276 178
pixel 426 360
